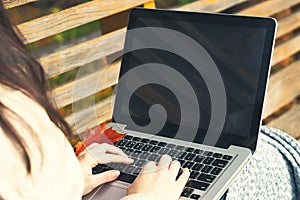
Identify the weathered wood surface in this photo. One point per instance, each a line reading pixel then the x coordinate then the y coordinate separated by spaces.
pixel 289 122
pixel 269 8
pixel 103 78
pixel 14 3
pixel 284 86
pixel 73 17
pixel 83 53
pixel 210 6
pixel 89 117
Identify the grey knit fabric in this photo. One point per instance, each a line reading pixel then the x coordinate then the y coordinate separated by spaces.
pixel 273 172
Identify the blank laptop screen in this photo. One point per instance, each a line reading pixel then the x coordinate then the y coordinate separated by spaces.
pixel 182 71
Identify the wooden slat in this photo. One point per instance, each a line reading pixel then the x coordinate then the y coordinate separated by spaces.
pixel 288 24
pixel 85 118
pixel 284 86
pixel 83 53
pixel 269 8
pixel 103 78
pixel 210 6
pixel 289 122
pixel 73 17
pixel 14 3
pixel 286 50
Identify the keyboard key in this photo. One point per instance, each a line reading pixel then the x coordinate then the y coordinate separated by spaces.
pixel 208 153
pixel 217 155
pixel 163 151
pixel 122 143
pixel 135 154
pixel 141 163
pixel 137 170
pixel 190 156
pixel 181 155
pixel 198 151
pixel 227 157
pixel 179 147
pixel 208 160
pixel 121 167
pixel 216 171
pixel 181 162
pixel 172 153
pixel 138 146
pixel 189 149
pixel 171 146
pixel 128 178
pixel 206 178
pixel 197 185
pixel 155 149
pixel 197 167
pixel 137 139
pixel 220 163
pixel 144 140
pixel 188 164
pixel 154 157
pixel 195 196
pixel 147 147
pixel 128 151
pixel 206 169
pixel 199 159
pixel 128 137
pixel 129 169
pixel 154 142
pixel 144 155
pixel 130 144
pixel 187 192
pixel 162 144
pixel 194 174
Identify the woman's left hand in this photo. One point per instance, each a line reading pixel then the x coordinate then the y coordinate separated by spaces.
pixel 100 154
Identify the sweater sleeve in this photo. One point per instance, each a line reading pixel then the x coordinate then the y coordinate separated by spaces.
pixel 55 170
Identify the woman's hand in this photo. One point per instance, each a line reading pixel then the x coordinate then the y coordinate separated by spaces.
pixel 159 180
pixel 100 154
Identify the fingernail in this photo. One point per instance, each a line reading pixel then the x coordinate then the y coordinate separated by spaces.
pixel 115 173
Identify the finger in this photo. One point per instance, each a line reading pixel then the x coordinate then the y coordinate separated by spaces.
pixel 174 168
pixel 164 162
pixel 183 178
pixel 108 158
pixel 149 167
pixel 105 177
pixel 103 148
pixel 113 149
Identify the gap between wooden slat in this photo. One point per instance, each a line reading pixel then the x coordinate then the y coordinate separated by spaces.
pixel 284 86
pixel 73 17
pixel 210 6
pixel 289 122
pixel 88 85
pixel 269 8
pixel 14 3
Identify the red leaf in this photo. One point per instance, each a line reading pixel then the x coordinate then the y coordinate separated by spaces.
pixel 98 135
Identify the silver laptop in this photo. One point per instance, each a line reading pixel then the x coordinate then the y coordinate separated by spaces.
pixel 192 86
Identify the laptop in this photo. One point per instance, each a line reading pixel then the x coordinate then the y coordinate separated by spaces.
pixel 191 85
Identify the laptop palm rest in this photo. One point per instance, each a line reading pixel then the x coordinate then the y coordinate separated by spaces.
pixel 106 192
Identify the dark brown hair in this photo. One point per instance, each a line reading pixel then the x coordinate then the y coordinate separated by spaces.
pixel 21 71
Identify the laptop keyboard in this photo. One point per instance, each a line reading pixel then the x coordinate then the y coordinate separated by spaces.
pixel 205 166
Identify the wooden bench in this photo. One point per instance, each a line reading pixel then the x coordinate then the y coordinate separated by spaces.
pixel 282 108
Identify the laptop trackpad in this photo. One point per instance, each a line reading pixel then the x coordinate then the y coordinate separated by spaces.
pixel 107 191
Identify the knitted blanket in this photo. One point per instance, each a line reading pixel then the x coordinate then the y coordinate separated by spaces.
pixel 273 172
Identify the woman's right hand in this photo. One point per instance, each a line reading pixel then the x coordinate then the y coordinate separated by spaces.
pixel 159 180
